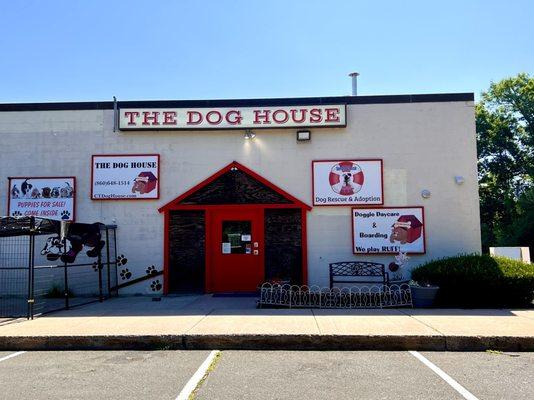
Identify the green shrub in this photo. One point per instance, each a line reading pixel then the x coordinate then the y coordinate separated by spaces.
pixel 479 281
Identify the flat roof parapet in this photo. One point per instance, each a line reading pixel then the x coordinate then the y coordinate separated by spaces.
pixel 288 101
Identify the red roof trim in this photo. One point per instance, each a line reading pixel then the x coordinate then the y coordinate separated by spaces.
pixel 207 181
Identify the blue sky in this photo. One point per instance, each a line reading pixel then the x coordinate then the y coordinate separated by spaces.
pixel 91 50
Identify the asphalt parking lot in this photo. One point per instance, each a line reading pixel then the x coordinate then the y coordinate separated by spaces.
pixel 265 375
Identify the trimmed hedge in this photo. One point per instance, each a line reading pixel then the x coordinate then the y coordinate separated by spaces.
pixel 479 281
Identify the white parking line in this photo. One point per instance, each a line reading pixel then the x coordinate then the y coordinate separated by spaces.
pixel 191 385
pixel 455 385
pixel 18 353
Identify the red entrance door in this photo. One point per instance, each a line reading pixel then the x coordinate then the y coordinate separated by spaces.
pixel 236 248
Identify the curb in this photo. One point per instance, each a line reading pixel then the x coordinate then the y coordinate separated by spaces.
pixel 269 342
pixel 313 342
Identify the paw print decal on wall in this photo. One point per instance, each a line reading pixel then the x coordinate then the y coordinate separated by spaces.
pixel 95 266
pixel 156 285
pixel 125 274
pixel 16 214
pixel 121 260
pixel 151 270
pixel 65 215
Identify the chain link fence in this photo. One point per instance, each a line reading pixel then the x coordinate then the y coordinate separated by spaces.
pixel 42 270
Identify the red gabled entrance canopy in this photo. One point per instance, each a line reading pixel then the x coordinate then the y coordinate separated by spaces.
pixel 230 167
pixel 195 199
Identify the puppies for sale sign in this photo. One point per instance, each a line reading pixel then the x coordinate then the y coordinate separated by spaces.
pixel 388 230
pixel 125 177
pixel 44 197
pixel 347 182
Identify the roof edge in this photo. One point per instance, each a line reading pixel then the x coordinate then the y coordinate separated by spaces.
pixel 287 101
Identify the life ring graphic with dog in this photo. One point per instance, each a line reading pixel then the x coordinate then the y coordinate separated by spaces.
pixel 346 178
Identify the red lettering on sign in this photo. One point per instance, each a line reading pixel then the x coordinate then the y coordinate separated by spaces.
pixel 194 118
pixel 150 116
pixel 262 115
pixel 332 114
pixel 277 114
pixel 169 117
pixel 302 115
pixel 233 117
pixel 131 115
pixel 211 120
pixel 315 115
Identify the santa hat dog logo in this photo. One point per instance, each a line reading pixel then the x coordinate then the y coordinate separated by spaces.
pixel 144 183
pixel 346 178
pixel 407 229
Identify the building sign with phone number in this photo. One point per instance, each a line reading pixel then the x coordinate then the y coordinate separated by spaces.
pixel 125 177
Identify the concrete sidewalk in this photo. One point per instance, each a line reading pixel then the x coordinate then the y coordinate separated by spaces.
pixel 207 322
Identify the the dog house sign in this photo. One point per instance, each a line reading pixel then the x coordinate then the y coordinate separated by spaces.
pixel 44 197
pixel 388 230
pixel 125 177
pixel 347 182
pixel 208 118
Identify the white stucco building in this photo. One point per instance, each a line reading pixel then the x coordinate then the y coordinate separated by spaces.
pixel 221 213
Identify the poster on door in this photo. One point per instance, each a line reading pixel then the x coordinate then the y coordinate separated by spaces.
pixel 347 182
pixel 125 177
pixel 388 230
pixel 43 197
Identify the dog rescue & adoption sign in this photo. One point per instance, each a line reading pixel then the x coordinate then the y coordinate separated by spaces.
pixel 44 197
pixel 347 182
pixel 125 177
pixel 388 230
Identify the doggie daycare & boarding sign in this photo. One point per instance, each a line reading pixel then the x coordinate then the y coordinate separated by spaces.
pixel 388 230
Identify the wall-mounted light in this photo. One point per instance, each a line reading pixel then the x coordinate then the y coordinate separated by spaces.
pixel 303 136
pixel 249 135
pixel 459 180
pixel 425 194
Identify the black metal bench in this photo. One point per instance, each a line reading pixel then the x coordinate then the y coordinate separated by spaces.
pixel 357 272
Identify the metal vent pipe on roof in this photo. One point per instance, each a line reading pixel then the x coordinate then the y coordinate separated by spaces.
pixel 354 76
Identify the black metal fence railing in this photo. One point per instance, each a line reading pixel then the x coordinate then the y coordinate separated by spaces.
pixel 41 272
pixel 362 296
